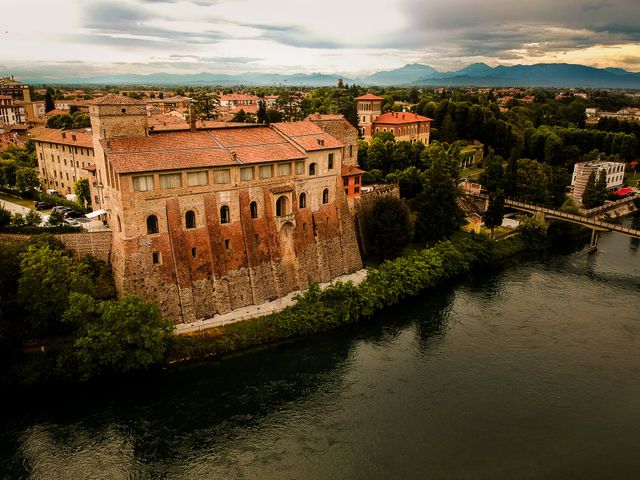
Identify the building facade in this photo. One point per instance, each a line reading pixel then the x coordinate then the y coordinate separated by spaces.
pixel 208 221
pixel 369 108
pixel 64 157
pixel 405 126
pixel 11 113
pixel 582 171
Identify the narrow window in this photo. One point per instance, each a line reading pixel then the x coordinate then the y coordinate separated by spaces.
pixel 254 209
pixel 190 219
pixel 312 169
pixel 193 252
pixel 299 168
pixel 152 224
pixel 330 162
pixel 143 183
pixel 281 206
pixel 225 216
pixel 227 244
pixel 257 239
pixel 346 191
pixel 155 256
pixel 303 200
pixel 345 182
pixel 325 196
pixel 356 190
pixel 266 171
pixel 357 180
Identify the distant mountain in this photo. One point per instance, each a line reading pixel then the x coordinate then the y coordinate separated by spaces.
pixel 478 74
pixel 313 79
pixel 401 76
pixel 561 75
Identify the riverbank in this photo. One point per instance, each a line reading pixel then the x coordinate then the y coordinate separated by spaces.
pixel 318 310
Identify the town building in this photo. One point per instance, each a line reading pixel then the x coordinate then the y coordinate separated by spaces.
pixel 206 221
pixel 11 112
pixel 405 126
pixel 338 127
pixel 582 171
pixel 14 89
pixel 369 108
pixel 63 157
pixel 232 100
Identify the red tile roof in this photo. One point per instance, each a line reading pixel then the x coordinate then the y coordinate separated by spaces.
pixel 348 170
pixel 115 99
pixel 325 116
pixel 203 148
pixel 400 118
pixel 369 96
pixel 308 135
pixel 52 135
pixel 166 122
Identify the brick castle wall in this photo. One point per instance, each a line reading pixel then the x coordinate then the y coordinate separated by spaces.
pixel 97 244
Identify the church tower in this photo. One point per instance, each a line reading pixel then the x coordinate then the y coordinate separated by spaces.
pixel 369 108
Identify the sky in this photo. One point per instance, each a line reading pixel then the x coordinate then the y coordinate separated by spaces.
pixel 62 38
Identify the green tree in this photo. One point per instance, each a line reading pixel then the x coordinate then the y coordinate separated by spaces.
pixel 48 101
pixel 601 187
pixel 243 117
pixel 47 278
pixel 288 103
pixel 493 176
pixel 5 216
pixel 533 231
pixel 32 219
pixel 27 179
pixel 447 131
pixel 533 182
pixel 590 196
pixel 389 227
pixel 116 336
pixel 495 211
pixel 83 192
pixel 205 105
pixel 262 112
pixel 437 211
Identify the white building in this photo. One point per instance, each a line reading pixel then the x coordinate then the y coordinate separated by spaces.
pixel 10 112
pixel 582 170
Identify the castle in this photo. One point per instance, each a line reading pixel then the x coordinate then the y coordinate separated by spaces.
pixel 205 221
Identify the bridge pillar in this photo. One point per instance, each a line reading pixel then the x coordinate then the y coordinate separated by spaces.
pixel 593 245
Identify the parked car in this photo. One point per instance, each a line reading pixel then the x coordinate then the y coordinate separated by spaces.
pixel 73 214
pixel 42 205
pixel 61 208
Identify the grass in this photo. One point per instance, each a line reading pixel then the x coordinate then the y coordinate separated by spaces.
pixel 471 172
pixel 630 179
pixel 18 201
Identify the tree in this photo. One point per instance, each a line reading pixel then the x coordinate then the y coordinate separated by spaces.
pixel 116 336
pixel 447 131
pixel 32 219
pixel 437 209
pixel 205 105
pixel 262 112
pixel 243 117
pixel 493 176
pixel 55 219
pixel 532 182
pixel 49 104
pixel 595 192
pixel 495 211
pixel 47 278
pixel 83 192
pixel 5 216
pixel 27 179
pixel 533 231
pixel 288 103
pixel 389 227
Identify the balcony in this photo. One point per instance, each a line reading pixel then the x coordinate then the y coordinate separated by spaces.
pixel 281 220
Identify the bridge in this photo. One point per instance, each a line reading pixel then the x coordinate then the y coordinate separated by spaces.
pixel 594 224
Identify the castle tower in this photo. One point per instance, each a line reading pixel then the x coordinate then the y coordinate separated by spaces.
pixel 112 116
pixel 369 109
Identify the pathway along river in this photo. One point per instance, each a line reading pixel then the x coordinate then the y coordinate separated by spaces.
pixel 532 371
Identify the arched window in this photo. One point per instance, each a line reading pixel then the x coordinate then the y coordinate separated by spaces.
pixel 225 216
pixel 190 219
pixel 281 206
pixel 302 202
pixel 152 224
pixel 254 209
pixel 325 195
pixel 312 169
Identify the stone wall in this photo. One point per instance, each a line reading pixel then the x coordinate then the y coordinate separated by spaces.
pixel 97 244
pixel 364 203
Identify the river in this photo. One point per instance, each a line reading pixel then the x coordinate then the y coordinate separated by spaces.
pixel 529 371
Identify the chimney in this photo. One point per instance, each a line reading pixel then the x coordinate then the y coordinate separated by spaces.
pixel 320 141
pixel 192 119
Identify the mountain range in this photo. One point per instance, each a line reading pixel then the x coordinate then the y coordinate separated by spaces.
pixel 561 75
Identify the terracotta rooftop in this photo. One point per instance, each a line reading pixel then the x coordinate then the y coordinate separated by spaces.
pixel 325 116
pixel 308 135
pixel 203 148
pixel 66 137
pixel 400 118
pixel 238 97
pixel 349 170
pixel 369 96
pixel 166 122
pixel 115 99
